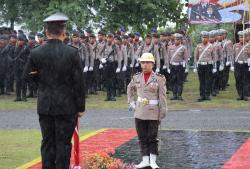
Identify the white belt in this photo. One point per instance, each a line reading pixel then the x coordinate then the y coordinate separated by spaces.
pixel 176 63
pixel 205 63
pixel 145 101
pixel 241 62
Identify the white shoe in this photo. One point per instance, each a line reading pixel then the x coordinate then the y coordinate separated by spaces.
pixel 144 163
pixel 153 164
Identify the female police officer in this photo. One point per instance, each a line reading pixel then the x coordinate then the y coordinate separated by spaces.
pixel 147 97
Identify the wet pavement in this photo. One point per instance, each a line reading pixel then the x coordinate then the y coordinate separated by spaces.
pixel 122 118
pixel 189 149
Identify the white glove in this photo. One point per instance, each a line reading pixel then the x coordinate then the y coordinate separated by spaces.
pixel 157 70
pixel 228 63
pixel 131 65
pixel 232 68
pixel 186 70
pixel 221 67
pixel 248 69
pixel 100 66
pixel 131 106
pixel 137 64
pixel 248 61
pixel 164 67
pixel 184 64
pixel 214 70
pixel 195 70
pixel 85 69
pixel 103 60
pixel 124 68
pixel 169 71
pixel 118 70
pixel 91 68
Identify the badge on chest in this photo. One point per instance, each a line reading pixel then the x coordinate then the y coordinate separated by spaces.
pixel 153 85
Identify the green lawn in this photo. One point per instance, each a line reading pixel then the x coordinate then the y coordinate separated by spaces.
pixel 225 100
pixel 18 147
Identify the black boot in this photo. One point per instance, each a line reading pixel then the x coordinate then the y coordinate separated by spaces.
pixel 174 97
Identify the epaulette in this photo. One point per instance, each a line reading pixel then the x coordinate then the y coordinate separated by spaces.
pixel 37 45
pixel 161 75
pixel 136 74
pixel 73 46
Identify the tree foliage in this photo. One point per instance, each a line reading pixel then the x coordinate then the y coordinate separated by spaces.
pixel 140 15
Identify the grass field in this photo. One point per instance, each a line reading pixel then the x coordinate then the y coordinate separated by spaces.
pixel 18 147
pixel 225 100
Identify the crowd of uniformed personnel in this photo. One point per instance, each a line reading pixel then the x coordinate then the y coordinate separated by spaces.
pixel 110 59
pixel 216 56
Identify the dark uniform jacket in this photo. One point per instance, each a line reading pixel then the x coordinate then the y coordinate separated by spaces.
pixel 21 57
pixel 3 60
pixel 60 78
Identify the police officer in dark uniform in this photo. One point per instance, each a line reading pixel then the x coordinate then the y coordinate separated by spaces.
pixel 58 70
pixel 21 57
pixel 3 59
pixel 10 63
pixel 32 86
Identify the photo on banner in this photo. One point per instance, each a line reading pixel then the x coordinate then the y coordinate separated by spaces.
pixel 218 11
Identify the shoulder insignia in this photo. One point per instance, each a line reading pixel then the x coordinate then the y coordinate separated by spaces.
pixel 158 74
pixel 73 46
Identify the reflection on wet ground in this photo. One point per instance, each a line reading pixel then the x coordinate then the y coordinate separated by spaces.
pixel 189 149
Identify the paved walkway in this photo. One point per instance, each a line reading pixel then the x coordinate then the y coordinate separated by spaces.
pixel 95 119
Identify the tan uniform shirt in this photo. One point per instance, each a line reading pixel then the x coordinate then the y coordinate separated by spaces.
pixel 129 53
pixel 176 54
pixel 100 49
pixel 227 49
pixel 149 49
pixel 83 53
pixel 242 56
pixel 121 56
pixel 154 89
pixel 218 51
pixel 92 54
pixel 207 56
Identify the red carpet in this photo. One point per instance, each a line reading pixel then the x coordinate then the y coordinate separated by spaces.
pixel 240 159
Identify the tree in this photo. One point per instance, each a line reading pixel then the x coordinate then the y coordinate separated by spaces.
pixel 141 15
pixel 33 15
pixel 10 12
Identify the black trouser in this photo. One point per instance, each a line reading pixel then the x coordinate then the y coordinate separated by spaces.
pixel 215 83
pixel 225 77
pixel 56 145
pixel 248 84
pixel 216 80
pixel 129 72
pixel 10 79
pixel 97 75
pixel 32 86
pixel 91 82
pixel 21 86
pixel 177 79
pixel 121 78
pixel 109 76
pixel 86 84
pixel 2 82
pixel 240 74
pixel 205 78
pixel 167 76
pixel 147 131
